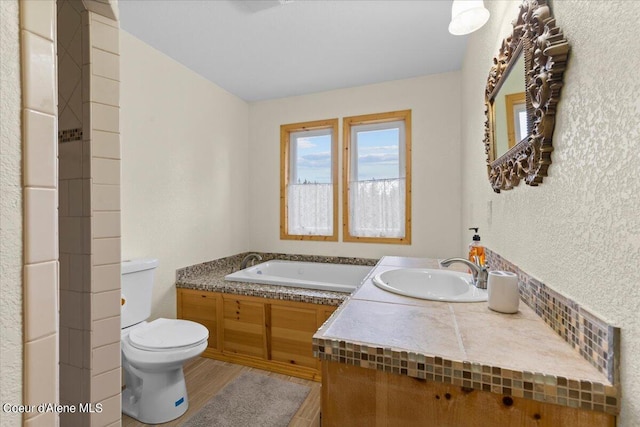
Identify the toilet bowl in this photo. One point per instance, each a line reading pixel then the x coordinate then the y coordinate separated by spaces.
pixel 153 353
pixel 152 357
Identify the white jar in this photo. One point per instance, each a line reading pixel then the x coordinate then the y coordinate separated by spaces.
pixel 504 296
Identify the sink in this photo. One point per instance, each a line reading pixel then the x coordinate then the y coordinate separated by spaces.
pixel 431 284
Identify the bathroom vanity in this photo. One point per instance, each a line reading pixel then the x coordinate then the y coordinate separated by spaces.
pixel 394 360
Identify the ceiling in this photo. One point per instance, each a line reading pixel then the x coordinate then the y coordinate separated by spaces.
pixel 269 49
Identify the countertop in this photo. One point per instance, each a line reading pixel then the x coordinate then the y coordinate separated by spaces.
pixel 465 344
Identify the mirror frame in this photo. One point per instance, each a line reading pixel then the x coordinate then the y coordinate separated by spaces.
pixel 545 54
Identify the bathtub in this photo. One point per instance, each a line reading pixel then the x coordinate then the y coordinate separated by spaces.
pixel 310 275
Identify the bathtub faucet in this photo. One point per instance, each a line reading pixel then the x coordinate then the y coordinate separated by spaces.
pixel 251 257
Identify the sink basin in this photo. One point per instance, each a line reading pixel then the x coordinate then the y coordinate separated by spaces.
pixel 431 284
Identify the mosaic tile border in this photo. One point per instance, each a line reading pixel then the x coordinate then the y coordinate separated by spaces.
pixel 529 385
pixel 597 341
pixel 209 276
pixel 69 135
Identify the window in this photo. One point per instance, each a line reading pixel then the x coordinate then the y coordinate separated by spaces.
pixel 377 178
pixel 516 106
pixel 309 180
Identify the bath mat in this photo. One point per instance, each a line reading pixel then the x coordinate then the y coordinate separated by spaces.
pixel 251 400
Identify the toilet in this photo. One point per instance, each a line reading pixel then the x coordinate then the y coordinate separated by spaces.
pixel 153 353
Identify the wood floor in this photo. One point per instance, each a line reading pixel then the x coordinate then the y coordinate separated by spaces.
pixel 205 377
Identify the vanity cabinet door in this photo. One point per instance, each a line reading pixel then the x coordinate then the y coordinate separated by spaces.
pixel 244 327
pixel 292 329
pixel 201 307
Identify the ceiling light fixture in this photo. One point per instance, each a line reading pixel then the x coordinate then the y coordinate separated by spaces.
pixel 467 16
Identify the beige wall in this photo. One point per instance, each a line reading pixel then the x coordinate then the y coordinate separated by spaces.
pixel 579 231
pixel 435 104
pixel 201 166
pixel 184 167
pixel 10 213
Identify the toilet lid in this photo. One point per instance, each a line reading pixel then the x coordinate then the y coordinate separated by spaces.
pixel 164 334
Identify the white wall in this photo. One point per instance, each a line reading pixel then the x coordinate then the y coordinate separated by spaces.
pixel 579 232
pixel 435 104
pixel 10 213
pixel 184 167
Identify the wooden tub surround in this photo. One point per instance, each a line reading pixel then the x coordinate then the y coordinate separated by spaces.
pixel 269 334
pixel 395 360
pixel 264 326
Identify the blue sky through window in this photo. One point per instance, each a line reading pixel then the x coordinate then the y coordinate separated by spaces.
pixel 313 161
pixel 378 154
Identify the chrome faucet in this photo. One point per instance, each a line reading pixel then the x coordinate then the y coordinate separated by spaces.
pixel 478 270
pixel 251 257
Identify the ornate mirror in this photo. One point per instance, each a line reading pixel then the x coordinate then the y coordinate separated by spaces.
pixel 523 90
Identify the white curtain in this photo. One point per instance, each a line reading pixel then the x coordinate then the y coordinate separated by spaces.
pixel 310 209
pixel 378 208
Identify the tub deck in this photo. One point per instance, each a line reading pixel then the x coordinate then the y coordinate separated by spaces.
pixel 210 276
pixel 308 275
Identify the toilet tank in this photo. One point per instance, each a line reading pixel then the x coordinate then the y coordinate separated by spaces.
pixel 137 287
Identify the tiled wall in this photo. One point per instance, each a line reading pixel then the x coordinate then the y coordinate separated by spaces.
pixel 86 209
pixel 40 181
pixel 91 302
pixel 74 211
pixel 70 64
pixel 101 69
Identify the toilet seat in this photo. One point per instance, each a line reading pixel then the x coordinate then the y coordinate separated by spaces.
pixel 168 335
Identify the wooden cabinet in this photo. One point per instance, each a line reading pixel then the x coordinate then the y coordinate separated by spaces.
pixel 356 396
pixel 201 307
pixel 264 333
pixel 244 327
pixel 292 329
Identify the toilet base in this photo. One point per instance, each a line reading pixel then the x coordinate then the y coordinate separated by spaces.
pixel 154 397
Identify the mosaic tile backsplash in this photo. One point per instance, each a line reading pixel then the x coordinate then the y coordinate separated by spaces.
pixel 596 340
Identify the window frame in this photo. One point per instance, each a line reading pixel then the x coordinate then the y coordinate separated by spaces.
pixel 285 172
pixel 370 119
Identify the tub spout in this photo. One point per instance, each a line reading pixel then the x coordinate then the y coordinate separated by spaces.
pixel 249 258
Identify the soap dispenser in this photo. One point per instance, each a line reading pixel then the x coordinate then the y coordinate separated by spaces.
pixel 476 249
